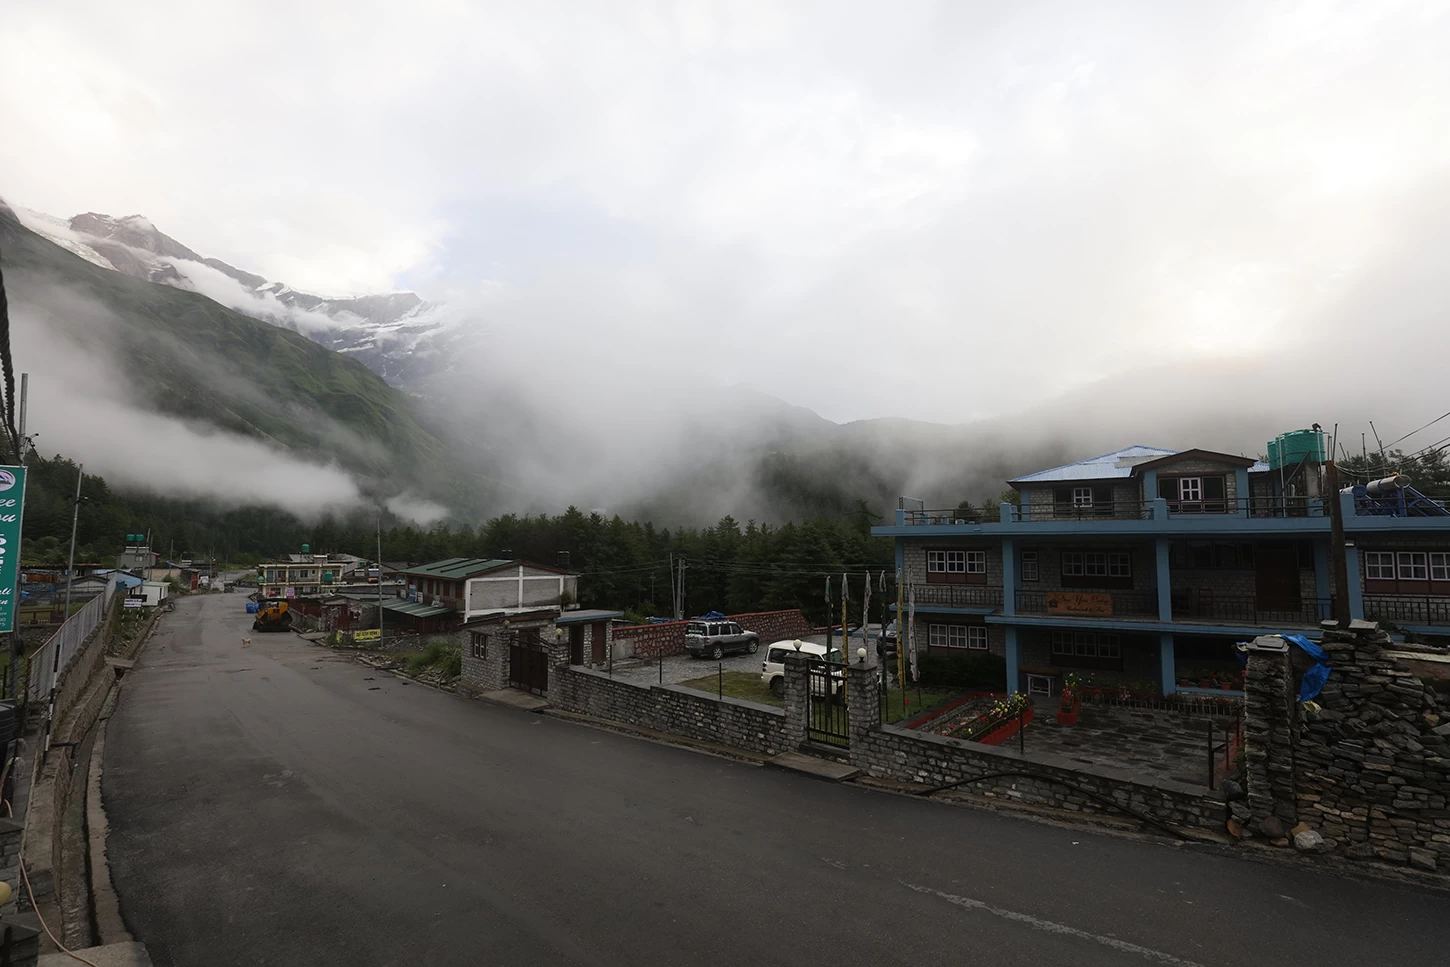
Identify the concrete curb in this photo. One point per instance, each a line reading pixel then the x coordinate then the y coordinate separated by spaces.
pixel 110 928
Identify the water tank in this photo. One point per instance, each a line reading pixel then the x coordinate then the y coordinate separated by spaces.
pixel 1289 449
pixel 327 577
pixel 306 549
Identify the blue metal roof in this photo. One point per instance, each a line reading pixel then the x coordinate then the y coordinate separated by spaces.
pixel 1117 465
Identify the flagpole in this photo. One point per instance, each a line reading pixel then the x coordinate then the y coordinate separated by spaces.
pixel 845 636
pixel 901 639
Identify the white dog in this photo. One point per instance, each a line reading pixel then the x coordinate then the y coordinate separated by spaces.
pixel 246 641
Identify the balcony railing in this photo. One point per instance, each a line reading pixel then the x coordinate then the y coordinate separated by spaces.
pixel 958 596
pixel 1204 605
pixel 1089 604
pixel 1408 609
pixel 923 517
pixel 1102 510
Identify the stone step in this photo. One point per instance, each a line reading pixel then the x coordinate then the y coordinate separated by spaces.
pixel 812 766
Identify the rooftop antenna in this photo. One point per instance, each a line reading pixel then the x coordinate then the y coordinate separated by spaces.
pixel 1378 443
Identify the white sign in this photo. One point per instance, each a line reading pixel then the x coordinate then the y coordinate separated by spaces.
pixel 133 603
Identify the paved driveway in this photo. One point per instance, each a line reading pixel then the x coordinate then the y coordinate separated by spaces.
pixel 277 804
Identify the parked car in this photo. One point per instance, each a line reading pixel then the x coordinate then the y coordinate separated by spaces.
pixel 886 642
pixel 718 638
pixel 772 670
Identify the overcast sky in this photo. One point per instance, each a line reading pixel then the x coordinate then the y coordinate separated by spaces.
pixel 942 211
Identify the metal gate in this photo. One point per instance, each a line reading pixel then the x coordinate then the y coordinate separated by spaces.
pixel 827 707
pixel 529 663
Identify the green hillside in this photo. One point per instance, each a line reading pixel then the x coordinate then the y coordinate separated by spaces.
pixel 188 356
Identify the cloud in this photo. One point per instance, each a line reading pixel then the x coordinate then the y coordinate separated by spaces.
pixel 220 287
pixel 932 210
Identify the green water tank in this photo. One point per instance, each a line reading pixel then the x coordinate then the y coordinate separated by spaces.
pixel 327 577
pixel 1296 446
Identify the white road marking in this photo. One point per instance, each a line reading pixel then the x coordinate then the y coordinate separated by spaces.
pixel 1049 926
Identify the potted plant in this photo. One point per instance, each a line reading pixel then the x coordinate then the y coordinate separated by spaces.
pixel 1070 701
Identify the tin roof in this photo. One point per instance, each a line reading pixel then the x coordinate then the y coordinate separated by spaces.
pixel 416 609
pixel 588 614
pixel 1117 465
pixel 456 567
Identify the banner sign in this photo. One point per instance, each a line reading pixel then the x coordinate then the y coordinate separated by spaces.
pixel 12 511
pixel 133 603
pixel 1079 602
pixel 372 634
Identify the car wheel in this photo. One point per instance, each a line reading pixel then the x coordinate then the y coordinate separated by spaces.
pixel 717 653
pixel 777 686
pixel 753 646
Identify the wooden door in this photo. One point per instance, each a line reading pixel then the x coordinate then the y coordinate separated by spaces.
pixel 576 644
pixel 596 640
pixel 1276 579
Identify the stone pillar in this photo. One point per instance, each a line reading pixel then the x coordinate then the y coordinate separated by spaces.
pixel 863 698
pixel 797 699
pixel 1270 714
pixel 494 668
pixel 1356 583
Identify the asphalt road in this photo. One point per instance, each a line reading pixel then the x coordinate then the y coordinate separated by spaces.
pixel 273 803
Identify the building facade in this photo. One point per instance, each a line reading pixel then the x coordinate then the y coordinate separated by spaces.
pixel 1145 565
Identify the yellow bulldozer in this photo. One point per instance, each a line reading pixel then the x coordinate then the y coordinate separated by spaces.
pixel 273 616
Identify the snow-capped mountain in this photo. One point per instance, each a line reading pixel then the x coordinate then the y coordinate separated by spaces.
pixel 397 335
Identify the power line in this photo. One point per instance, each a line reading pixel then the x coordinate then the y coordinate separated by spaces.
pixel 1418 429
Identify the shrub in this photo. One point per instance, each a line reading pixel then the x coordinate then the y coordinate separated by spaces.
pixel 985 671
pixel 441 656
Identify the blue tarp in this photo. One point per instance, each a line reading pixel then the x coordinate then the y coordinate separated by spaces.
pixel 1315 677
pixel 711 616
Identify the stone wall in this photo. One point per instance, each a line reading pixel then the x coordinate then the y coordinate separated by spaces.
pixel 1367 769
pixel 890 752
pixel 671 708
pixel 668 638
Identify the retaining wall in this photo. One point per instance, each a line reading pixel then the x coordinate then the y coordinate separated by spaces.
pixel 672 708
pixel 668 638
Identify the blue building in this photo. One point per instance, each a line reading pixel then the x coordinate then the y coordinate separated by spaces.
pixel 1146 565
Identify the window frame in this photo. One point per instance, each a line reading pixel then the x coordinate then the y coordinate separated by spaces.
pixel 956 565
pixel 1087 649
pixel 956 636
pixel 1096 568
pixel 1376 560
pixel 479 645
pixel 1422 566
pixel 1029 557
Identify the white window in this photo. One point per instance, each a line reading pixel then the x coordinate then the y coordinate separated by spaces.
pixel 1439 567
pixel 1190 488
pixel 480 645
pixel 1412 566
pixel 1029 565
pixel 1379 566
pixel 1089 645
pixel 953 636
pixel 1082 496
pixel 977 637
pixel 956 562
pixel 1101 564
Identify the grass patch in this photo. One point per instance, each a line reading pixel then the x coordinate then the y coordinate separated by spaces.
pixel 746 685
pixel 439 656
pixel 917 702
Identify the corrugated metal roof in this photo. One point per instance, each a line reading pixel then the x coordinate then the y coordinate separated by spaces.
pixel 1109 466
pixel 456 567
pixel 416 609
pixel 575 617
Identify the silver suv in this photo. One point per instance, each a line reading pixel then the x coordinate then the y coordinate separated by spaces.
pixel 716 638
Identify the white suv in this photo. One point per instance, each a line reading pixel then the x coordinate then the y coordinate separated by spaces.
pixel 772 670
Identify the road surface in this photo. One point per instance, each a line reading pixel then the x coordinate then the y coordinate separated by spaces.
pixel 274 803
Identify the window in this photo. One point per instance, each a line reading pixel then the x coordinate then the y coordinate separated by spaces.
pixel 1097 564
pixel 1412 566
pixel 1082 496
pixel 1087 649
pixel 1076 500
pixel 1190 488
pixel 1439 567
pixel 1379 566
pixel 1194 495
pixel 777 655
pixel 957 636
pixel 480 645
pixel 1029 565
pixel 956 567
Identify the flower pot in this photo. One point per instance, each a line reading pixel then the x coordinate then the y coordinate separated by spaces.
pixel 1206 683
pixel 1226 686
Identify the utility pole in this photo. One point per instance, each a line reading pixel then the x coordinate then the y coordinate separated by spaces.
pixel 380 579
pixel 1336 548
pixel 70 580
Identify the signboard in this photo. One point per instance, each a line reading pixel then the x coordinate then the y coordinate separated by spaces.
pixel 12 511
pixel 134 603
pixel 1080 602
pixel 291 593
pixel 371 634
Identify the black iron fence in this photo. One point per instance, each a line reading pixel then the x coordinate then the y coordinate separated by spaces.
pixel 1099 510
pixel 1408 609
pixel 1088 603
pixel 826 716
pixel 958 595
pixel 1206 605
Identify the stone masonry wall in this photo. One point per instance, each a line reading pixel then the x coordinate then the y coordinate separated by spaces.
pixel 668 638
pixel 1369 767
pixel 684 711
pixel 890 752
